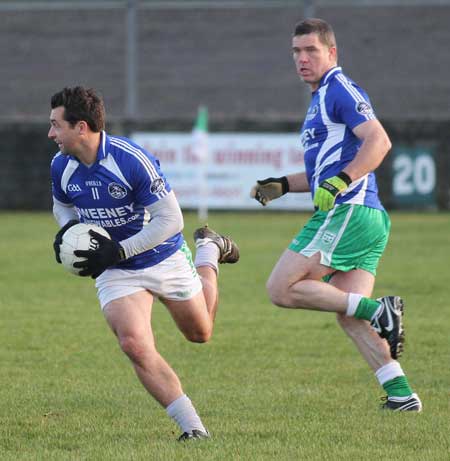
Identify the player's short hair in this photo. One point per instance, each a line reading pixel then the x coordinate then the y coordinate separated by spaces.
pixel 81 104
pixel 319 27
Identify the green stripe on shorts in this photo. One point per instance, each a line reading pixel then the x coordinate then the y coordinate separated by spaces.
pixel 187 252
pixel 347 237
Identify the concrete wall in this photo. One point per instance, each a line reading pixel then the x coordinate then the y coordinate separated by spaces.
pixel 237 61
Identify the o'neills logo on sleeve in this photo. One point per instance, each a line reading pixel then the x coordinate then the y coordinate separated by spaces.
pixel 157 186
pixel 364 108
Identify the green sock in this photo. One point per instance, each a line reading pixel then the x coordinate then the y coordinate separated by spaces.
pixel 366 308
pixel 397 387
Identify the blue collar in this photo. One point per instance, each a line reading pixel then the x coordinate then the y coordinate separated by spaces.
pixel 327 76
pixel 103 148
pixel 102 151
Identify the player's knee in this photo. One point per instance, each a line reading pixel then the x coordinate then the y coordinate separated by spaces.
pixel 280 299
pixel 277 294
pixel 277 300
pixel 134 347
pixel 200 335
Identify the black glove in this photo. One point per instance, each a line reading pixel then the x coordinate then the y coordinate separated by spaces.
pixel 108 254
pixel 268 189
pixel 59 236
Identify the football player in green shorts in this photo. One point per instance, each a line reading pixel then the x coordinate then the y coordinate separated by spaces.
pixel 331 264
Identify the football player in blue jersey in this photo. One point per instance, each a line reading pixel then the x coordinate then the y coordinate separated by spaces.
pixel 114 183
pixel 331 264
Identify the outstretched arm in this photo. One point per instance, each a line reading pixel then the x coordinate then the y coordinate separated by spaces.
pixel 269 189
pixel 298 182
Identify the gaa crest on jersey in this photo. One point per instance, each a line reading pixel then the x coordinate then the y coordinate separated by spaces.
pixel 157 186
pixel 312 112
pixel 116 190
pixel 364 108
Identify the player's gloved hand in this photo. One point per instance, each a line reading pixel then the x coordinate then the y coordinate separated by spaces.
pixel 108 254
pixel 327 191
pixel 268 189
pixel 58 238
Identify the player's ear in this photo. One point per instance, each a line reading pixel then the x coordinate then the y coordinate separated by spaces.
pixel 83 127
pixel 333 53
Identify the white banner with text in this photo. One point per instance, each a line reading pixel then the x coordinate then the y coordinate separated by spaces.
pixel 233 164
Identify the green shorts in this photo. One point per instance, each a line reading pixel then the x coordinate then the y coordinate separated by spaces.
pixel 347 237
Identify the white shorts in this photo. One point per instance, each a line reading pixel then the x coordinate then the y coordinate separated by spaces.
pixel 174 278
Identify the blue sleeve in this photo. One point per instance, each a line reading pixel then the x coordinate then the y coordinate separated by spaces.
pixel 148 181
pixel 350 105
pixel 57 168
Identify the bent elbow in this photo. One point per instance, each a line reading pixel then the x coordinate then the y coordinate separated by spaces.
pixel 387 145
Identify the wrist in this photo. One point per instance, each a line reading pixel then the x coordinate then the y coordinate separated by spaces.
pixel 284 184
pixel 345 177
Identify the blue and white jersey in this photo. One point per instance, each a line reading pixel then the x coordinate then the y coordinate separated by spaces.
pixel 113 193
pixel 329 145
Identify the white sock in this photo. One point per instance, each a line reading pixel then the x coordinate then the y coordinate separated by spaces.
pixel 389 371
pixel 404 399
pixel 183 413
pixel 207 255
pixel 353 301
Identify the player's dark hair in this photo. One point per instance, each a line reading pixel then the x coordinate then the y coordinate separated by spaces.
pixel 319 27
pixel 81 104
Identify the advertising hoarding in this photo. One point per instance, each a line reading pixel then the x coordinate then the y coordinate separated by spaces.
pixel 233 164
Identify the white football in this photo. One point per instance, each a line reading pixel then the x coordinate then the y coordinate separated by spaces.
pixel 77 237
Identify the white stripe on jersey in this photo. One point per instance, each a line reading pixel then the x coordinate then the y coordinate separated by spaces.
pixel 71 166
pixel 334 157
pixel 143 159
pixel 358 199
pixel 330 73
pixel 55 157
pixel 357 96
pixel 336 133
pixel 111 165
pixel 146 163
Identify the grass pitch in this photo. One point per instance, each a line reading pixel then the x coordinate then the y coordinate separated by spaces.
pixel 272 383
